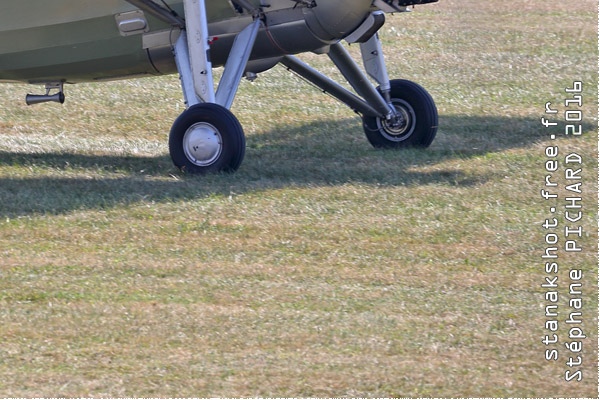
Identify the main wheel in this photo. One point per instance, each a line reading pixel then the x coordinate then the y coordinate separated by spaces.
pixel 416 122
pixel 207 138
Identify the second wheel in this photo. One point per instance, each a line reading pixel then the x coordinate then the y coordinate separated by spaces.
pixel 415 123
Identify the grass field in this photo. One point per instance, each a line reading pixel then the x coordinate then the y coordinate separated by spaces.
pixel 323 267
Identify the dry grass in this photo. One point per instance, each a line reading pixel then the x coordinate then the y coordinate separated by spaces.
pixel 322 267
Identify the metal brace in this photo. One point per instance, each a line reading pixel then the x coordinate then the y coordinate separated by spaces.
pixel 192 56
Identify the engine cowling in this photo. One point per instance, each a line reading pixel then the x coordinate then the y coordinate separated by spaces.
pixel 335 19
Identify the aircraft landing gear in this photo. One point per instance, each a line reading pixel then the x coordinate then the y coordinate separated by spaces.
pixel 397 114
pixel 414 124
pixel 207 137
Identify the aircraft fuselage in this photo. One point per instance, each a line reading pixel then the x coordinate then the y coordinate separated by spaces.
pixel 85 40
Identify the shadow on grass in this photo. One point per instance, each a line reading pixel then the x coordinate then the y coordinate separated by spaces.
pixel 322 153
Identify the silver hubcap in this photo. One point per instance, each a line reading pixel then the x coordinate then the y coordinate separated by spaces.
pixel 202 144
pixel 400 127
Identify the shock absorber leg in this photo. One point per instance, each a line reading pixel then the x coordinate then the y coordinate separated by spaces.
pixel 359 80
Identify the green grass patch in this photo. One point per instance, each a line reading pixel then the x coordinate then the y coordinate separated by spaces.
pixel 323 267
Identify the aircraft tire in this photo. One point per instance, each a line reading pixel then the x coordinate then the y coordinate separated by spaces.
pixel 207 138
pixel 420 119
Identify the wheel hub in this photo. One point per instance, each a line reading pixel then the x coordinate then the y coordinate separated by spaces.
pixel 202 144
pixel 402 124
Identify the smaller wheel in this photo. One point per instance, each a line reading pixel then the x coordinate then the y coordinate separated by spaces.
pixel 416 122
pixel 207 138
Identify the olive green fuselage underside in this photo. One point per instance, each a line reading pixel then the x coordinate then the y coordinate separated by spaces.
pixel 77 40
pixel 45 41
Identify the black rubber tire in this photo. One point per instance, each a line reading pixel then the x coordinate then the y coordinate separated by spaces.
pixel 231 147
pixel 417 105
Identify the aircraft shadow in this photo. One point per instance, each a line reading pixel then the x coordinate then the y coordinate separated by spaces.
pixel 321 153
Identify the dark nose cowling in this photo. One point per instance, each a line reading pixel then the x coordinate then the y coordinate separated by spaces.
pixel 336 19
